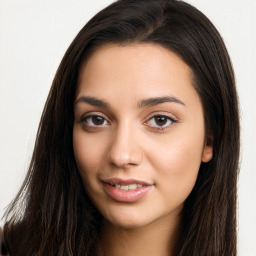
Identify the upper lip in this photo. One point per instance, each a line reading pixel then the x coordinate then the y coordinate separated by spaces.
pixel 125 181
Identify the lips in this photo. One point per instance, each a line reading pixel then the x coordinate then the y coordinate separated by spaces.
pixel 126 181
pixel 126 187
pixel 130 190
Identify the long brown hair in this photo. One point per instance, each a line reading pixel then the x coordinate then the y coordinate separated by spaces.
pixel 52 214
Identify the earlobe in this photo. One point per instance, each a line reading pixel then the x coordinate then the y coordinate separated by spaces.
pixel 208 149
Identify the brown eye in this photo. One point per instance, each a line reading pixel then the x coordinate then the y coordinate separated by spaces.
pixel 97 120
pixel 94 121
pixel 161 120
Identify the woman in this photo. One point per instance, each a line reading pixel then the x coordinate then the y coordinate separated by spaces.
pixel 137 148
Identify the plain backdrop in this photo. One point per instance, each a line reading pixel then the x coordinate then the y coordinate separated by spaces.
pixel 33 38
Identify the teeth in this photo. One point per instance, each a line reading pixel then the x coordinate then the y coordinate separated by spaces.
pixel 132 186
pixel 124 187
pixel 127 187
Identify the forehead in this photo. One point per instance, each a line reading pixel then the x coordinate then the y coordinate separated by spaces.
pixel 135 71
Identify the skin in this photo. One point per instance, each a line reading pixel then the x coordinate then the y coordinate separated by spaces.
pixel 129 142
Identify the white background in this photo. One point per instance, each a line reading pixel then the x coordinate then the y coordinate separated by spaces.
pixel 33 38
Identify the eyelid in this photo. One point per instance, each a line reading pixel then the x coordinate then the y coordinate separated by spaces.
pixel 162 113
pixel 93 114
pixel 157 114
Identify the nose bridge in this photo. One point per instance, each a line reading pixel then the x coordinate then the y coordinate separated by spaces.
pixel 124 149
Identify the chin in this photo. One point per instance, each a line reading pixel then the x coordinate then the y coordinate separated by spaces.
pixel 128 223
pixel 126 219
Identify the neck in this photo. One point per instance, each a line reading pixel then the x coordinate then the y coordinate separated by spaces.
pixel 157 238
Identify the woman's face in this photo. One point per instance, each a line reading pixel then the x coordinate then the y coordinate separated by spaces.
pixel 139 135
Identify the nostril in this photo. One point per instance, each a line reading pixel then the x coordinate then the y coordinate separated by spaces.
pixel 124 152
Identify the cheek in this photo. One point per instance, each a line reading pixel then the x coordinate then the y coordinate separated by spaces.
pixel 177 164
pixel 178 152
pixel 87 152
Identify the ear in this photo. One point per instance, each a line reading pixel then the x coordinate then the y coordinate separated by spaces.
pixel 208 149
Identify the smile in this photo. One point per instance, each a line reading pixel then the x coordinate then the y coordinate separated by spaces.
pixel 126 191
pixel 126 187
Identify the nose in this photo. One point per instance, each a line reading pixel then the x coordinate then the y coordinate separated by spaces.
pixel 125 151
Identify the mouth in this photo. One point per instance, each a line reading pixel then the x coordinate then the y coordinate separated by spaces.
pixel 126 184
pixel 126 187
pixel 126 190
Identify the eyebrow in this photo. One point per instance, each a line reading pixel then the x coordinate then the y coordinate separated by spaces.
pixel 149 102
pixel 158 100
pixel 92 101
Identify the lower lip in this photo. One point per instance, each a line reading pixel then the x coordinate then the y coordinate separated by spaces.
pixel 126 196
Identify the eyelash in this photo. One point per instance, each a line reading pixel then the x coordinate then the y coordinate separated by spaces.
pixel 84 119
pixel 170 120
pixel 158 127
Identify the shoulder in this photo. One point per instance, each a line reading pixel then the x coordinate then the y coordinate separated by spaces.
pixel 3 250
